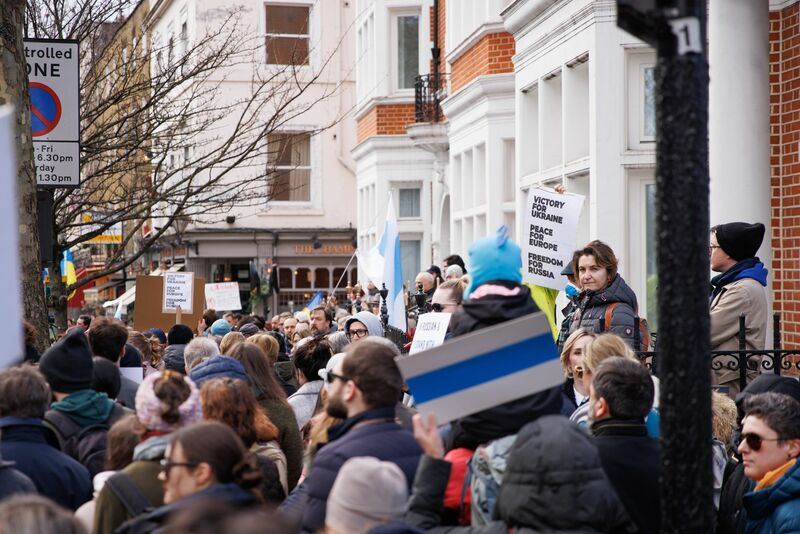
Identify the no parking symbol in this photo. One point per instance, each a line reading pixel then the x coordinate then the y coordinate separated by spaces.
pixel 45 109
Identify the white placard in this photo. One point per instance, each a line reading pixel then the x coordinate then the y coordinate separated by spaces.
pixel 133 373
pixel 10 282
pixel 430 331
pixel 223 296
pixel 54 87
pixel 549 236
pixel 178 291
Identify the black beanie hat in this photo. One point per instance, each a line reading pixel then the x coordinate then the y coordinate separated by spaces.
pixel 740 240
pixel 67 365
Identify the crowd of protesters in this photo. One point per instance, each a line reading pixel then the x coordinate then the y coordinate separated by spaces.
pixel 303 423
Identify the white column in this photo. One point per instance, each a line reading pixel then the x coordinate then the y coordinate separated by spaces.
pixel 738 32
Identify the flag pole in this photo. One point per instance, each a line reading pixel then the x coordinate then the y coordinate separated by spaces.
pixel 345 271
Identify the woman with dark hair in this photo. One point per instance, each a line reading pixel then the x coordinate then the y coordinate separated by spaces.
pixel 606 303
pixel 309 359
pixel 271 398
pixel 230 401
pixel 165 402
pixel 205 462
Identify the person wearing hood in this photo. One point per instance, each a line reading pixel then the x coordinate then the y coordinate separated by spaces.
pixel 177 338
pixel 166 401
pixel 740 288
pixel 554 482
pixel 496 295
pixel 606 302
pixel 27 443
pixel 362 325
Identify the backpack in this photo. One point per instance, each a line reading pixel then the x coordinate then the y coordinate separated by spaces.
pixel 485 474
pixel 129 495
pixel 86 444
pixel 641 335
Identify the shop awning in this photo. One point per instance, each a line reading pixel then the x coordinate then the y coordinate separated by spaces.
pixel 126 298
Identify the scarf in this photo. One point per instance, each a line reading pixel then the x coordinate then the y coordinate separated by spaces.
pixel 773 476
pixel 85 407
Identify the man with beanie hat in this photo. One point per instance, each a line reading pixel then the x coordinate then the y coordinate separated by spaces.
pixel 496 295
pixel 367 493
pixel 80 416
pixel 740 288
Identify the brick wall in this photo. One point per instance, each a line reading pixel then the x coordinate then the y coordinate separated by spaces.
pixel 784 78
pixel 388 119
pixel 491 55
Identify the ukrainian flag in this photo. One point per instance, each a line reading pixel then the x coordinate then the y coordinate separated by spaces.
pixel 68 275
pixel 313 303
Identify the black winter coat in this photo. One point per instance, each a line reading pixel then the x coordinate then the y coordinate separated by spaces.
pixel 554 482
pixel 13 482
pixel 632 461
pixel 593 306
pixel 508 418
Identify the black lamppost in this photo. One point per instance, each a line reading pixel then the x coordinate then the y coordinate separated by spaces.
pixel 677 28
pixel 384 310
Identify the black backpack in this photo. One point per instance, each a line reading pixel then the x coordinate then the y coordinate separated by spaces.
pixel 85 444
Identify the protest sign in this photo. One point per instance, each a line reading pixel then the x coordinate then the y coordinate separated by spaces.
pixel 430 331
pixel 223 296
pixel 178 289
pixel 133 373
pixel 483 369
pixel 549 236
pixel 149 313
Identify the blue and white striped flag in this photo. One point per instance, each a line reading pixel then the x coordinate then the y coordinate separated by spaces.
pixel 485 368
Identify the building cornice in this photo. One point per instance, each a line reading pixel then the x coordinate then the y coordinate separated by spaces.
pixel 778 5
pixel 521 12
pixel 378 142
pixel 482 87
pixel 370 103
pixel 487 28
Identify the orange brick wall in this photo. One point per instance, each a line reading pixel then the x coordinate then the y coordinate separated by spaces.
pixel 389 119
pixel 491 55
pixel 784 79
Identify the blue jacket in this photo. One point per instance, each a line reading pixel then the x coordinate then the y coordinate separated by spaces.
pixel 362 435
pixel 56 475
pixel 14 482
pixel 776 509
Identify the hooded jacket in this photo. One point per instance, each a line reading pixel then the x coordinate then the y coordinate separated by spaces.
pixel 775 509
pixel 739 290
pixel 173 358
pixel 493 303
pixel 592 309
pixel 369 320
pixel 554 482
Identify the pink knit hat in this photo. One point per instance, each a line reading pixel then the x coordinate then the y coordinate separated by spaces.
pixel 149 408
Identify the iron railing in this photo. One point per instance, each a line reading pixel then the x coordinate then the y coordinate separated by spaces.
pixel 776 360
pixel 429 91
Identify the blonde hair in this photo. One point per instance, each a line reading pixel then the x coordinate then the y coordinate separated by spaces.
pixel 603 347
pixel 723 417
pixel 569 343
pixel 230 340
pixel 268 344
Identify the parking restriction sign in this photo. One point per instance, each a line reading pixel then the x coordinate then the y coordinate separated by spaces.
pixel 53 83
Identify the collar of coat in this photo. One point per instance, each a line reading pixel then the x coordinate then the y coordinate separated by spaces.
pixel 376 415
pixel 619 427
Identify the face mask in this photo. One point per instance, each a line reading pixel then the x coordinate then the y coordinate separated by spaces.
pixel 571 291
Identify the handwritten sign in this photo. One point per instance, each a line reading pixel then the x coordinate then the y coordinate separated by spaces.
pixel 549 236
pixel 430 331
pixel 178 288
pixel 223 296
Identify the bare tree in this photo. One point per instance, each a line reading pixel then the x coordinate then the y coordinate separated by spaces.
pixel 161 137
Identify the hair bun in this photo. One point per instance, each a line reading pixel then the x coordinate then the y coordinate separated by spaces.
pixel 247 472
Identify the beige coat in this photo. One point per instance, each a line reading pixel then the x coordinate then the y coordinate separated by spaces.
pixel 745 296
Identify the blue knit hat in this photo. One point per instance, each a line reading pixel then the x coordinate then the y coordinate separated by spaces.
pixel 220 327
pixel 494 258
pixel 217 367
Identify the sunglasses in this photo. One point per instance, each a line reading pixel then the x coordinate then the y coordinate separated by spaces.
pixel 166 465
pixel 754 441
pixel 357 333
pixel 439 307
pixel 331 376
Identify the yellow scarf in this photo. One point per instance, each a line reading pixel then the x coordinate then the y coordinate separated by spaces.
pixel 773 476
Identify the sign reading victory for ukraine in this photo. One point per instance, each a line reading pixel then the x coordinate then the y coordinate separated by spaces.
pixel 549 236
pixel 483 369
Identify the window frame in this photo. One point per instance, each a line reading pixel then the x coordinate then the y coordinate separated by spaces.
pixel 312 29
pixel 314 186
pixel 638 180
pixel 410 187
pixel 394 51
pixel 638 60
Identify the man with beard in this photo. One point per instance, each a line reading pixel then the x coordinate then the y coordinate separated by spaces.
pixel 364 389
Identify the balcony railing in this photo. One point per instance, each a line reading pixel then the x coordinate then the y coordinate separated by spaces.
pixel 429 91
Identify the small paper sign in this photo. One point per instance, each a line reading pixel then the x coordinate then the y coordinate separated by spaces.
pixel 178 289
pixel 223 296
pixel 430 331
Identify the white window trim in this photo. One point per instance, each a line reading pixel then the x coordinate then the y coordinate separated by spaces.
pixel 638 180
pixel 396 198
pixel 315 179
pixel 637 61
pixel 314 33
pixel 393 51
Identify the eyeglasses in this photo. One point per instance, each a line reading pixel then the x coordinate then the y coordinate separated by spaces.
pixel 166 465
pixel 359 333
pixel 438 307
pixel 331 376
pixel 754 441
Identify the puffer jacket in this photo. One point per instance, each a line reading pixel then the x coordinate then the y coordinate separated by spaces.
pixel 173 358
pixel 775 509
pixel 489 304
pixel 592 309
pixel 554 482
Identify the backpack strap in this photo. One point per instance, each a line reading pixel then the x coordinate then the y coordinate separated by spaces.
pixel 62 426
pixel 117 413
pixel 608 316
pixel 129 494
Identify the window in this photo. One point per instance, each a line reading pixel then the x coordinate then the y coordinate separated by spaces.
pixel 407 31
pixel 287 35
pixel 289 162
pixel 410 258
pixel 409 203
pixel 641 99
pixel 649 112
pixel 651 274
